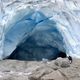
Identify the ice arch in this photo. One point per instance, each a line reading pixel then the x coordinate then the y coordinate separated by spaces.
pixel 32 36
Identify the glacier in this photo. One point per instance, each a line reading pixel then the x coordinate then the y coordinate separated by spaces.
pixel 38 29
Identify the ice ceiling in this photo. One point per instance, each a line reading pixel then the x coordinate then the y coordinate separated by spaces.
pixel 34 31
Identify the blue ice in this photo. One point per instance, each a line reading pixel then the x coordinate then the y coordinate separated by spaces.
pixel 36 36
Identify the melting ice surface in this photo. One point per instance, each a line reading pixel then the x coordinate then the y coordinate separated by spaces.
pixel 43 32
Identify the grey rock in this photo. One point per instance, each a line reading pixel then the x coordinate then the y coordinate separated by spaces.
pixel 36 70
pixel 64 63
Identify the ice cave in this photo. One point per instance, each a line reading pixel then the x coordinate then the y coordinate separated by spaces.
pixel 34 37
pixel 31 34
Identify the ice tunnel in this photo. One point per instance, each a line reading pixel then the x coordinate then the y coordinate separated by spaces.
pixel 32 37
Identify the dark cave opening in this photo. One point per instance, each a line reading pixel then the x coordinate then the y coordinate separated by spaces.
pixel 16 56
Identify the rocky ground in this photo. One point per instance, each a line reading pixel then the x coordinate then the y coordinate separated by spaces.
pixel 59 69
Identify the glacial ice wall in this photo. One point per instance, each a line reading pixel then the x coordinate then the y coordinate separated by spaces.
pixel 41 27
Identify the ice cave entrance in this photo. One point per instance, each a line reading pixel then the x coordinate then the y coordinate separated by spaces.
pixel 33 36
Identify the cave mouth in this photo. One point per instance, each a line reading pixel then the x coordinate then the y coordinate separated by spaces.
pixel 34 37
pixel 17 56
pixel 29 50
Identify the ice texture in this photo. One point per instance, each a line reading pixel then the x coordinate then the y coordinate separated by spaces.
pixel 40 28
